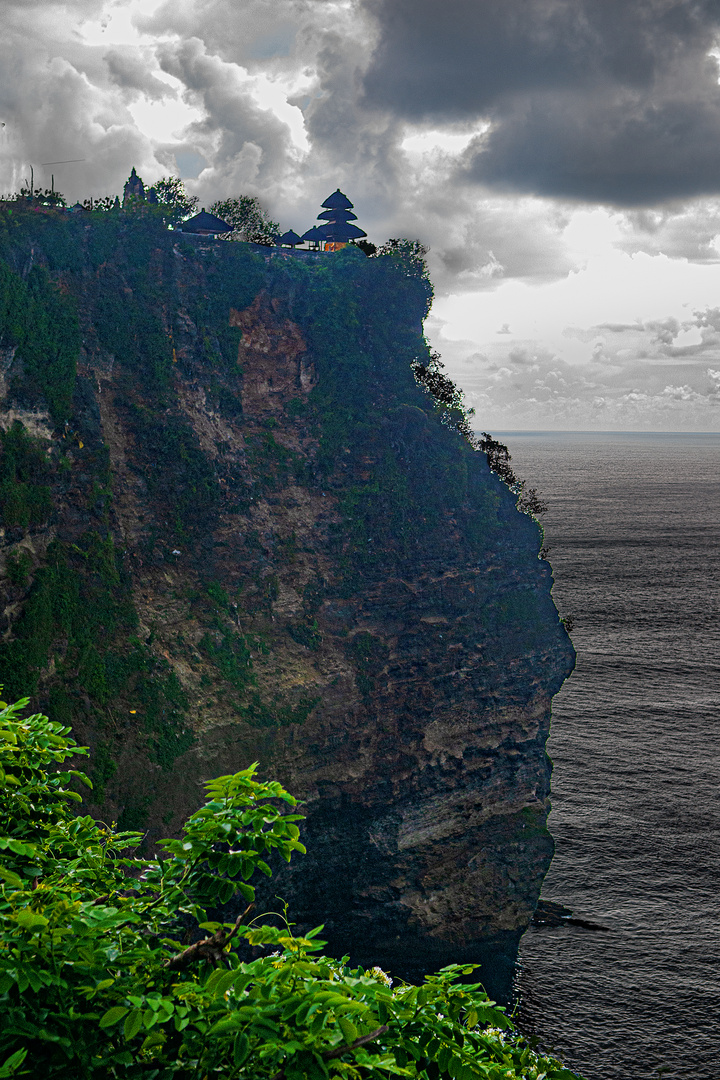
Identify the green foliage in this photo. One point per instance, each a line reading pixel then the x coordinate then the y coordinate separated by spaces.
pixel 498 455
pixel 41 322
pixel 361 319
pixel 409 258
pixel 19 566
pixel 78 598
pixel 306 633
pixel 449 400
pixel 130 327
pixel 177 472
pixel 231 281
pixel 249 219
pixel 369 654
pixel 25 473
pixel 174 200
pixel 272 464
pixel 110 967
pixel 230 653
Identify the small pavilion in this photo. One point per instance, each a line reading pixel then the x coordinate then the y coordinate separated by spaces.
pixel 312 237
pixel 290 239
pixel 204 224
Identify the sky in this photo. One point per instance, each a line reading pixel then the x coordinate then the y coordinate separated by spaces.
pixel 560 159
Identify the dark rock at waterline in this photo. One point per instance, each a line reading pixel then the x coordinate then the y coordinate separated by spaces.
pixel 549 913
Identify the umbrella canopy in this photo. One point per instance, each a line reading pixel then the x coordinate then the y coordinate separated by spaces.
pixel 205 223
pixel 290 238
pixel 337 201
pixel 340 231
pixel 337 215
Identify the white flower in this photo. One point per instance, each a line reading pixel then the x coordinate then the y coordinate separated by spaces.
pixel 381 975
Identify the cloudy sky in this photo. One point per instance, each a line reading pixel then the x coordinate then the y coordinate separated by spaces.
pixel 561 159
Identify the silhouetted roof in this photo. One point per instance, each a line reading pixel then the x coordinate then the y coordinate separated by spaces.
pixel 204 222
pixel 340 231
pixel 312 234
pixel 337 215
pixel 291 238
pixel 338 201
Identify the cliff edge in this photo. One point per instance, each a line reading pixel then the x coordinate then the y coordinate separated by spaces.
pixel 235 528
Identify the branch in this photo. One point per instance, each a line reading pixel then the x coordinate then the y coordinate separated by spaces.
pixel 210 948
pixel 340 1050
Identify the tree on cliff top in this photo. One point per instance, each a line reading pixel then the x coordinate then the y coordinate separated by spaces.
pixel 410 258
pixel 249 219
pixel 110 966
pixel 174 200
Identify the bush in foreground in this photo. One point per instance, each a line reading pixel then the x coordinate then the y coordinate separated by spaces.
pixel 109 966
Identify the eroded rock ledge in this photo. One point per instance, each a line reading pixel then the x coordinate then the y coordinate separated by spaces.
pixel 316 574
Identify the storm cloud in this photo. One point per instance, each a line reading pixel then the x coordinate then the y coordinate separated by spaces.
pixel 560 159
pixel 606 101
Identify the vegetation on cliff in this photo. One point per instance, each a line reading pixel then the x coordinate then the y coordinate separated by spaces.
pixel 115 274
pixel 117 966
pixel 255 534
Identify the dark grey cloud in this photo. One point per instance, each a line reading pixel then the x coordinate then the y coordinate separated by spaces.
pixel 130 70
pixel 629 149
pixel 248 144
pixel 599 100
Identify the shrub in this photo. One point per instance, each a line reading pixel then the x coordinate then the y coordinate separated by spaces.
pixel 111 967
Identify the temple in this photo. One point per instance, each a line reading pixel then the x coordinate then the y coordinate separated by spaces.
pixel 337 230
pixel 334 231
pixel 134 189
pixel 204 224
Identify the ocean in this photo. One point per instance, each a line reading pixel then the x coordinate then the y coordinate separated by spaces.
pixel 633 528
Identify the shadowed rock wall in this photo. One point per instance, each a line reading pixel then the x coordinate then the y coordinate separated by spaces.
pixel 262 543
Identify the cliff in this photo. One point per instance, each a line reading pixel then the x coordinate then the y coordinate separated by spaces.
pixel 235 528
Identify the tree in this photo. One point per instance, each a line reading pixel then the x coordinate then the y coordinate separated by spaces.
pixel 249 219
pixel 103 205
pixel 409 257
pixel 48 197
pixel 410 253
pixel 110 966
pixel 174 200
pixel 498 455
pixel 448 396
pixel 450 400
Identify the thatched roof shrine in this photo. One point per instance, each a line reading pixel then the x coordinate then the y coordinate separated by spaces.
pixel 206 224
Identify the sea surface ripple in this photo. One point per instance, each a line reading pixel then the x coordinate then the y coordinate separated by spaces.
pixel 634 532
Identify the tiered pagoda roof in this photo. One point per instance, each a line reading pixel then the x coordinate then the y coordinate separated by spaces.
pixel 338 215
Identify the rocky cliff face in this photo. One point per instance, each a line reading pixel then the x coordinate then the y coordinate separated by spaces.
pixel 251 537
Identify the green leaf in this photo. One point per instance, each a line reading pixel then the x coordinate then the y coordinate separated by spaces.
pixel 350 1032
pixel 133 1023
pixel 241 1048
pixel 10 1066
pixel 224 983
pixel 30 920
pixel 19 848
pixel 247 890
pixel 155 1038
pixel 112 1016
pixel 12 879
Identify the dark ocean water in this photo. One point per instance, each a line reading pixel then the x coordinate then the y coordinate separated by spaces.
pixel 634 532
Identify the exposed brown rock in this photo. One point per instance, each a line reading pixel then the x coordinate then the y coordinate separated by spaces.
pixel 422 764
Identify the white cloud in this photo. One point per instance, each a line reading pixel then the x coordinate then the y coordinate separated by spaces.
pixel 552 311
